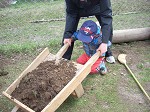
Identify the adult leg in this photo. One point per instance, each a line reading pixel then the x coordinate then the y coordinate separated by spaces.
pixel 109 55
pixel 68 53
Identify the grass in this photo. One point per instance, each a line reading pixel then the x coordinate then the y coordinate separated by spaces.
pixel 142 20
pixel 29 47
pixel 102 91
pixel 18 48
pixel 16 23
pixel 19 36
pixel 126 6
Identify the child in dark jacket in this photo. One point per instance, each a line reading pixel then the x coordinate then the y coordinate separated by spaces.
pixel 91 37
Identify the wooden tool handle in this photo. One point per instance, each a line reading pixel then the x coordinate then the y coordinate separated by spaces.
pixel 62 51
pixel 138 82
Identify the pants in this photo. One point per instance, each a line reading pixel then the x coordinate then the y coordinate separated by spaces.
pixel 84 58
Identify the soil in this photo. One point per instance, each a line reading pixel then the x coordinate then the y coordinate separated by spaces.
pixel 128 94
pixel 41 85
pixel 3 62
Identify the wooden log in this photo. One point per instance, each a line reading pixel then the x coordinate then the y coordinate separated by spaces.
pixel 130 35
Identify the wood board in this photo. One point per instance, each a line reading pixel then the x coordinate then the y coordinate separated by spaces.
pixel 74 86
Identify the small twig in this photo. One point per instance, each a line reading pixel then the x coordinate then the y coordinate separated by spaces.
pixel 50 20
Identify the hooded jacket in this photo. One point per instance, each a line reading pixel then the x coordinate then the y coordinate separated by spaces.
pixel 84 8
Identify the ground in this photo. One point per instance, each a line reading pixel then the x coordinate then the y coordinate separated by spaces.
pixel 137 60
pixel 116 91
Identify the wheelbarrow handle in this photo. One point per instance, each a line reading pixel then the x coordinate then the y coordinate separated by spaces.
pixel 62 51
pixel 94 58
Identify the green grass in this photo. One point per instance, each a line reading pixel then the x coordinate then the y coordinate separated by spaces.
pixel 100 95
pixel 127 6
pixel 132 21
pixel 17 48
pixel 145 77
pixel 16 23
pixel 29 47
pixel 6 105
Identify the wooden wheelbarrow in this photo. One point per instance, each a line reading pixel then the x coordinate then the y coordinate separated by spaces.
pixel 73 87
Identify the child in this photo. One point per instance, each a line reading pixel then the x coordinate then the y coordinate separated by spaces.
pixel 91 37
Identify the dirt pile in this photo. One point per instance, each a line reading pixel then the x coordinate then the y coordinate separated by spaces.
pixel 41 85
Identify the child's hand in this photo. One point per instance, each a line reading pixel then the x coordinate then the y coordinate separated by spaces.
pixel 102 48
pixel 67 41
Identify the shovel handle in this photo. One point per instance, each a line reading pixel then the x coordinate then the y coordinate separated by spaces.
pixel 62 51
pixel 138 82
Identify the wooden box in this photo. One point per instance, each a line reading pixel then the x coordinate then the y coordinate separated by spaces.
pixel 73 87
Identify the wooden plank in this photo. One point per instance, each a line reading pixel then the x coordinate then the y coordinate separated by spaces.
pixel 61 52
pixel 72 85
pixel 15 109
pixel 79 91
pixel 74 94
pixel 31 67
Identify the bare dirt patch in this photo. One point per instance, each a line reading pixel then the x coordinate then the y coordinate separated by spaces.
pixel 128 90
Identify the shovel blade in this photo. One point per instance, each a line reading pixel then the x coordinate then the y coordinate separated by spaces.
pixel 122 58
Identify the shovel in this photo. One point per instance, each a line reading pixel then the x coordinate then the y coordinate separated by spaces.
pixel 122 60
